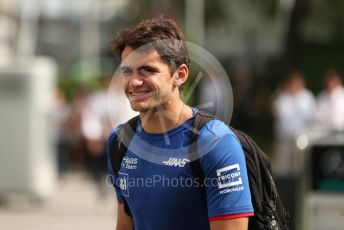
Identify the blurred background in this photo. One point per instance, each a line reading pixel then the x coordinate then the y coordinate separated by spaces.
pixel 283 58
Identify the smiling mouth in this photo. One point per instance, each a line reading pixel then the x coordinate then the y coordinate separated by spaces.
pixel 140 95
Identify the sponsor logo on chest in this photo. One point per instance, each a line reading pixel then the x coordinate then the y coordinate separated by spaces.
pixel 129 163
pixel 176 162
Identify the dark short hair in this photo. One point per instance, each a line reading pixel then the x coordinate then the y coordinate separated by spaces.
pixel 332 74
pixel 161 34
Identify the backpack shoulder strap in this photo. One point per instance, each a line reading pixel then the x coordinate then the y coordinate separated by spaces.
pixel 201 118
pixel 121 142
pixel 118 148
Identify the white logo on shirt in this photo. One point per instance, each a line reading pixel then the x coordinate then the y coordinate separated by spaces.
pixel 229 176
pixel 123 183
pixel 129 163
pixel 177 162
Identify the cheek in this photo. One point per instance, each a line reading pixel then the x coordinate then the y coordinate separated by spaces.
pixel 160 83
pixel 154 83
pixel 125 86
pixel 165 87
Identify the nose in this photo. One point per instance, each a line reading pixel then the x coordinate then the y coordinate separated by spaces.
pixel 135 80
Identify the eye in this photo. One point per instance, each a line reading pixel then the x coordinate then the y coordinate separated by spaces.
pixel 126 71
pixel 146 71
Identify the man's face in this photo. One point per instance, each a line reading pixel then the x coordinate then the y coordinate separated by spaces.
pixel 296 85
pixel 331 83
pixel 148 79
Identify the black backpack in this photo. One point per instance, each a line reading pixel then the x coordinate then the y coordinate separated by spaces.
pixel 269 212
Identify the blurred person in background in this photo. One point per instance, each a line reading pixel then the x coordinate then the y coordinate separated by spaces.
pixel 96 126
pixel 330 107
pixel 293 108
pixel 62 134
pixel 73 126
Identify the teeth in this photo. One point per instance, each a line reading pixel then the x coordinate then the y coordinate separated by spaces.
pixel 139 93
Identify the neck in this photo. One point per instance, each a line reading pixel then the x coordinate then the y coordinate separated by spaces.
pixel 162 119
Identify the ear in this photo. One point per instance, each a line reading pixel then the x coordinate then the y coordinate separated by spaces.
pixel 181 75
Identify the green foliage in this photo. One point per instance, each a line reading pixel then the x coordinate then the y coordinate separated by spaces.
pixel 317 58
pixel 324 21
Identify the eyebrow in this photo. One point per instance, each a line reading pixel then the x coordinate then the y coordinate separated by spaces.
pixel 125 68
pixel 148 67
pixel 140 68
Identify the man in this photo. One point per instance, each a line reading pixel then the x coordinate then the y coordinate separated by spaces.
pixel 293 108
pixel 154 67
pixel 330 108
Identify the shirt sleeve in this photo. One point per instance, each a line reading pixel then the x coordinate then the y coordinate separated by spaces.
pixel 226 181
pixel 111 175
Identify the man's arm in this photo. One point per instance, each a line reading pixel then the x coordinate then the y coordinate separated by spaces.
pixel 230 224
pixel 124 222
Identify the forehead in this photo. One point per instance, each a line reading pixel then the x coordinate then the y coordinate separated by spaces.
pixel 135 58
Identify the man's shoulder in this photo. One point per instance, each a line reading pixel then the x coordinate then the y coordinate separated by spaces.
pixel 215 129
pixel 339 92
pixel 114 132
pixel 307 93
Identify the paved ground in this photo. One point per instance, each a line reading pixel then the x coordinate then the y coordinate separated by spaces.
pixel 74 206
